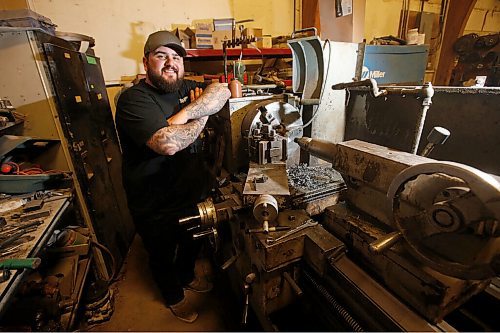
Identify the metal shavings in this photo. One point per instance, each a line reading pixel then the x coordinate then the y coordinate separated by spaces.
pixel 309 183
pixel 303 178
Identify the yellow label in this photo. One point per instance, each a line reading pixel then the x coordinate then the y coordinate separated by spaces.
pixel 99 96
pixel 67 55
pixel 78 99
pixel 91 86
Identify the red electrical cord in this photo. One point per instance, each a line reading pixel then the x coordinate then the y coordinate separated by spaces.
pixel 14 168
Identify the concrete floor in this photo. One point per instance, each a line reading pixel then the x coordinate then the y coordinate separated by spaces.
pixel 139 305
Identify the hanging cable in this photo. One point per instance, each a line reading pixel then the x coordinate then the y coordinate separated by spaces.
pixel 261 68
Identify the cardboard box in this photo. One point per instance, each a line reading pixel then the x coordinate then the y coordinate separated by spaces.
pixel 254 32
pixel 223 24
pixel 180 26
pixel 204 27
pixel 267 42
pixel 186 36
pixel 218 37
pixel 249 32
pixel 203 34
pixel 202 41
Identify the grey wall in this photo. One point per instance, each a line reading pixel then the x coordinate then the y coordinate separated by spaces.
pixel 471 114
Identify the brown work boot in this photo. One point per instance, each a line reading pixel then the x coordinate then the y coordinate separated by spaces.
pixel 184 311
pixel 200 285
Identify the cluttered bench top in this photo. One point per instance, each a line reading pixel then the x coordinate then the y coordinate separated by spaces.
pixel 26 224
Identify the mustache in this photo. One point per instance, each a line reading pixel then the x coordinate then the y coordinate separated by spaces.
pixel 170 67
pixel 164 85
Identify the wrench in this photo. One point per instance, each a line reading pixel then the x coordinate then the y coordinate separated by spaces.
pixel 306 224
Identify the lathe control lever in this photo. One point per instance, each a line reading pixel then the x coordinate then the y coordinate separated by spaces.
pixel 384 243
pixel 247 290
pixel 269 229
pixel 437 136
pixel 205 233
pixel 295 287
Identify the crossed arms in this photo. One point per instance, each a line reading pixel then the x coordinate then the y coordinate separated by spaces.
pixel 185 126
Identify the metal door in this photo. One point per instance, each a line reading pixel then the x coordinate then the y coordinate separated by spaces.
pixel 84 132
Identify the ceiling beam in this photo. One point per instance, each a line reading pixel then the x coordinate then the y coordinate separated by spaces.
pixel 310 14
pixel 456 19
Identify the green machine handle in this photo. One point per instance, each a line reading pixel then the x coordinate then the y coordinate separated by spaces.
pixel 31 263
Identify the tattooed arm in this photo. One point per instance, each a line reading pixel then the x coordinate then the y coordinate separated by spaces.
pixel 209 102
pixel 171 139
pixel 185 126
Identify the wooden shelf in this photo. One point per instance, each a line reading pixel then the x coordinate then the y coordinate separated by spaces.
pixel 235 53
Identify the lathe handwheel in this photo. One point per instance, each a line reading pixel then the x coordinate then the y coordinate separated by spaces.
pixel 449 215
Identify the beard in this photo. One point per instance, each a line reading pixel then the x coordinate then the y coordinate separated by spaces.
pixel 163 84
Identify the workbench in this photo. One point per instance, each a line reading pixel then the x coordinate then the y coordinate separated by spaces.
pixel 54 207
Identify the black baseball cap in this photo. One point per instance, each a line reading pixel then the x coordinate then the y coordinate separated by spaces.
pixel 164 38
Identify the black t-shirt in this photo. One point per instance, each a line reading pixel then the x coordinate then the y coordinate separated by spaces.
pixel 154 183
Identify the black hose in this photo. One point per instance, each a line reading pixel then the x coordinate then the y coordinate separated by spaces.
pixel 112 258
pixel 339 309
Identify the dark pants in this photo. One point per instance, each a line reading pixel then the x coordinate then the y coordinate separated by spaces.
pixel 172 254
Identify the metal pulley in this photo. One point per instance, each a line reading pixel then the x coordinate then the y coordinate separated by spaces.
pixel 449 215
pixel 265 210
pixel 207 214
pixel 207 220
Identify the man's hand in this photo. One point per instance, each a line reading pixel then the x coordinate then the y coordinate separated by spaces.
pixel 181 117
pixel 194 94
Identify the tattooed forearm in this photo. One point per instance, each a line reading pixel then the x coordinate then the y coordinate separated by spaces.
pixel 171 139
pixel 211 101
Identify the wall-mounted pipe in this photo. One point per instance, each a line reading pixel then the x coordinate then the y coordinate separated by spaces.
pixel 363 83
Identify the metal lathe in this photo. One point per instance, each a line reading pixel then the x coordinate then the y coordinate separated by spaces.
pixel 376 238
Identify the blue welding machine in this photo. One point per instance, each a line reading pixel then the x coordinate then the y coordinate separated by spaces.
pixel 394 64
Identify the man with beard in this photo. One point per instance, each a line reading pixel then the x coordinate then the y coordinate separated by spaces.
pixel 158 122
